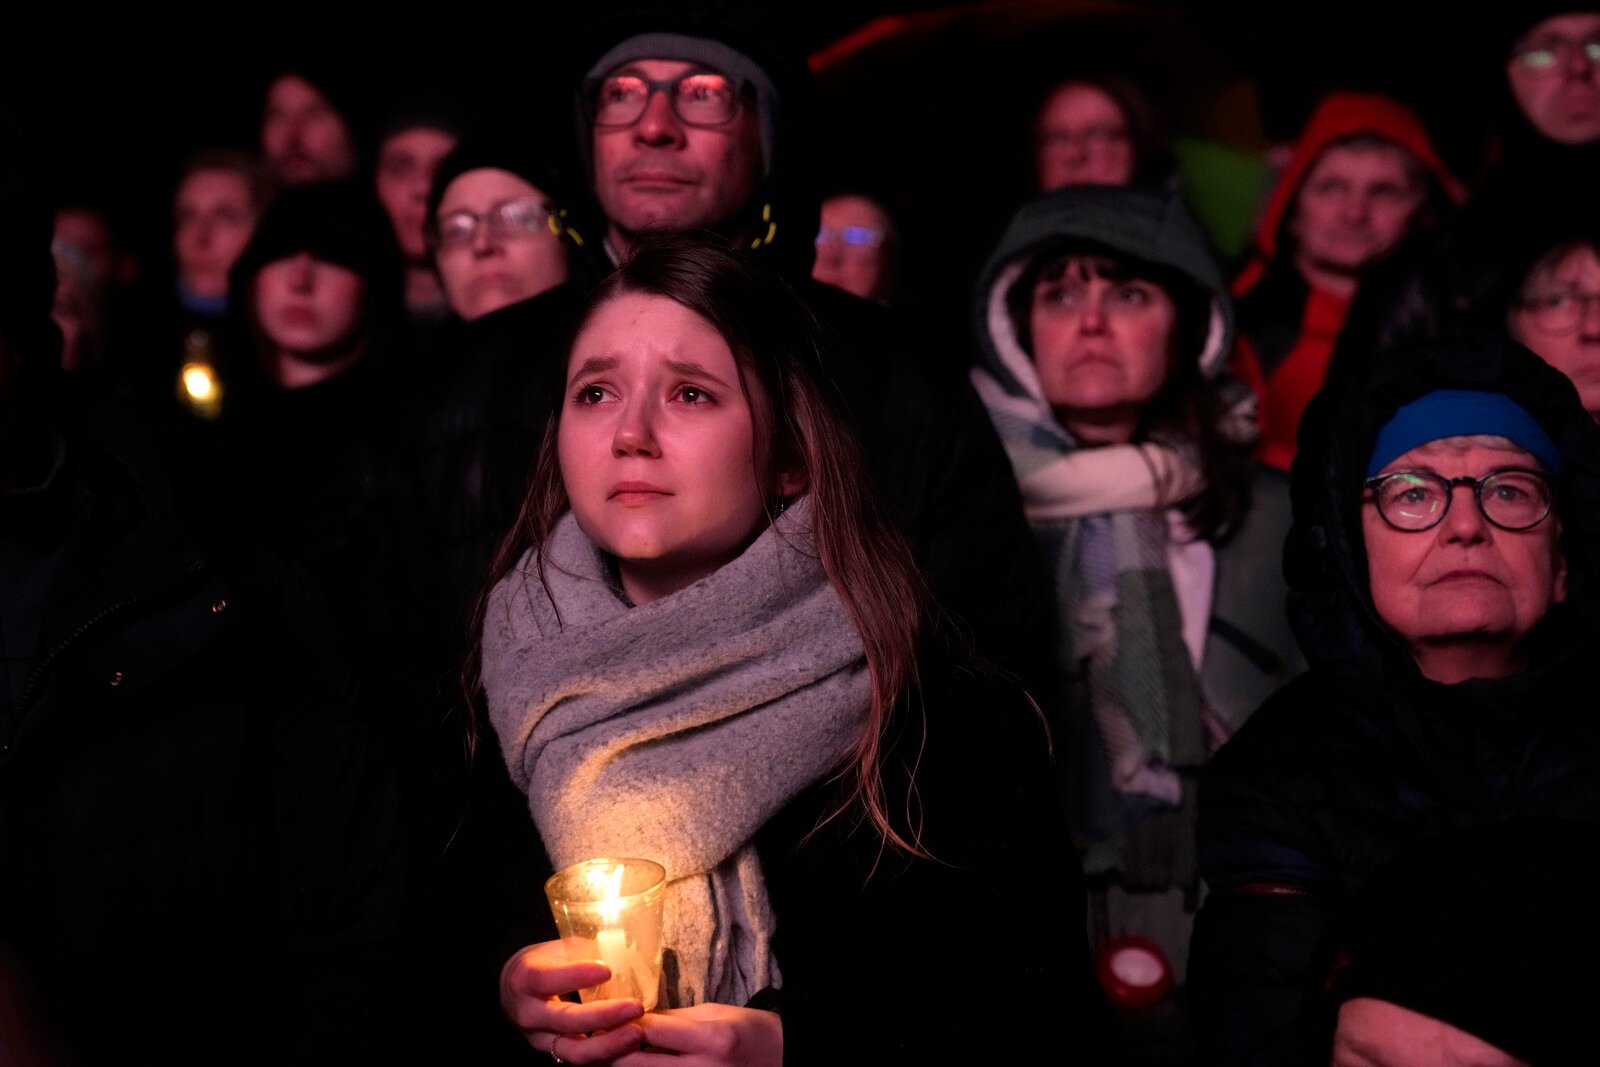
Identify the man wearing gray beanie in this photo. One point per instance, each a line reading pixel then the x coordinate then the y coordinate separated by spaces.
pixel 697 116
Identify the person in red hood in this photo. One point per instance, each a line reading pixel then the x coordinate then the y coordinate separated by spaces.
pixel 1364 176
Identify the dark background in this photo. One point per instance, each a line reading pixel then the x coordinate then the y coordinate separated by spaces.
pixel 121 97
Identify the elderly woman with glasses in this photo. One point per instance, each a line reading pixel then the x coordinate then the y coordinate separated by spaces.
pixel 1446 521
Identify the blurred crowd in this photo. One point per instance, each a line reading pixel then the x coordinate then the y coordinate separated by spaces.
pixel 1181 440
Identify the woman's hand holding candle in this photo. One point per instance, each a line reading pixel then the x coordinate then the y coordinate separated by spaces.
pixel 708 1035
pixel 532 984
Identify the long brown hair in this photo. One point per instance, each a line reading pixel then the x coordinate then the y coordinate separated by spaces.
pixel 774 340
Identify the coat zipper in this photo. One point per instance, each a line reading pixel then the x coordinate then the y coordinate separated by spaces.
pixel 61 646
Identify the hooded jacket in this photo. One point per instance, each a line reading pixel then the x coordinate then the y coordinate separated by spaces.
pixel 1362 758
pixel 1288 329
pixel 1232 606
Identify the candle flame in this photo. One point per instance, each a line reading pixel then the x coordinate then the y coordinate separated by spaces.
pixel 608 883
pixel 197 381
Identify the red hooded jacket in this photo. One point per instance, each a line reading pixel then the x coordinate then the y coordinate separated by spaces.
pixel 1289 387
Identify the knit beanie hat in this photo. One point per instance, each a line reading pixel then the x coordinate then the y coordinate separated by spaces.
pixel 339 222
pixel 497 152
pixel 704 51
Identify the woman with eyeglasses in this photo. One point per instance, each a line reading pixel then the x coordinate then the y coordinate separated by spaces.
pixel 1447 520
pixel 1551 301
pixel 490 227
pixel 706 646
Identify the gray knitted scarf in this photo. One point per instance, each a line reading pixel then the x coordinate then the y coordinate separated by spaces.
pixel 675 730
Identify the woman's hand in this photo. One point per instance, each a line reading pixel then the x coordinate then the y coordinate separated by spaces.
pixel 708 1035
pixel 531 986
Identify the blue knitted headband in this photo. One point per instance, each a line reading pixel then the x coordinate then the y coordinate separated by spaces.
pixel 1456 412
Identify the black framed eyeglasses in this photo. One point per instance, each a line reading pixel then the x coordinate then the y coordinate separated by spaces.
pixel 699 98
pixel 1416 500
pixel 520 216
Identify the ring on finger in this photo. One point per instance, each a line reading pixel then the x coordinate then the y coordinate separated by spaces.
pixel 554 1038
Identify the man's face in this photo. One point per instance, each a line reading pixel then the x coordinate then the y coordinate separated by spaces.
pixel 1355 205
pixel 1553 77
pixel 303 137
pixel 406 162
pixel 660 172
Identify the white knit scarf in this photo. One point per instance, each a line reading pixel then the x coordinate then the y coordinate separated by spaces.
pixel 675 730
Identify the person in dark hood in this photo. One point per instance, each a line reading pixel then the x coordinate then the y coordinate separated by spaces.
pixel 307 449
pixel 497 241
pixel 476 406
pixel 1547 145
pixel 1441 569
pixel 1364 178
pixel 1103 319
pixel 699 118
pixel 189 790
pixel 317 290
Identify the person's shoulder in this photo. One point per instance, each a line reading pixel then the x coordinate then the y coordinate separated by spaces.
pixel 975 716
pixel 1296 728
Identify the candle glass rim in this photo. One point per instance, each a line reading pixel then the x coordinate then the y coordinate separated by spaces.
pixel 654 887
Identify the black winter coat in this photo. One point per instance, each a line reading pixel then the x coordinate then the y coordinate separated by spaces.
pixel 1362 758
pixel 197 848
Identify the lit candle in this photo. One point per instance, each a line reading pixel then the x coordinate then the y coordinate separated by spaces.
pixel 614 954
pixel 611 909
pixel 612 939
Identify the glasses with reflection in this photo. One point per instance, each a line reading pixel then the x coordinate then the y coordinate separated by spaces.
pixel 521 216
pixel 699 98
pixel 1558 308
pixel 1550 53
pixel 853 236
pixel 1416 500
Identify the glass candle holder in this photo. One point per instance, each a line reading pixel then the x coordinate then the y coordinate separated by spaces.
pixel 610 910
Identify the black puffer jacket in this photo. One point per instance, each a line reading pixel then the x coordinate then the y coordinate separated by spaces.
pixel 198 858
pixel 1361 758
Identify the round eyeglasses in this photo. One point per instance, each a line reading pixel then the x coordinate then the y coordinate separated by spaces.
pixel 699 98
pixel 1417 500
pixel 521 216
